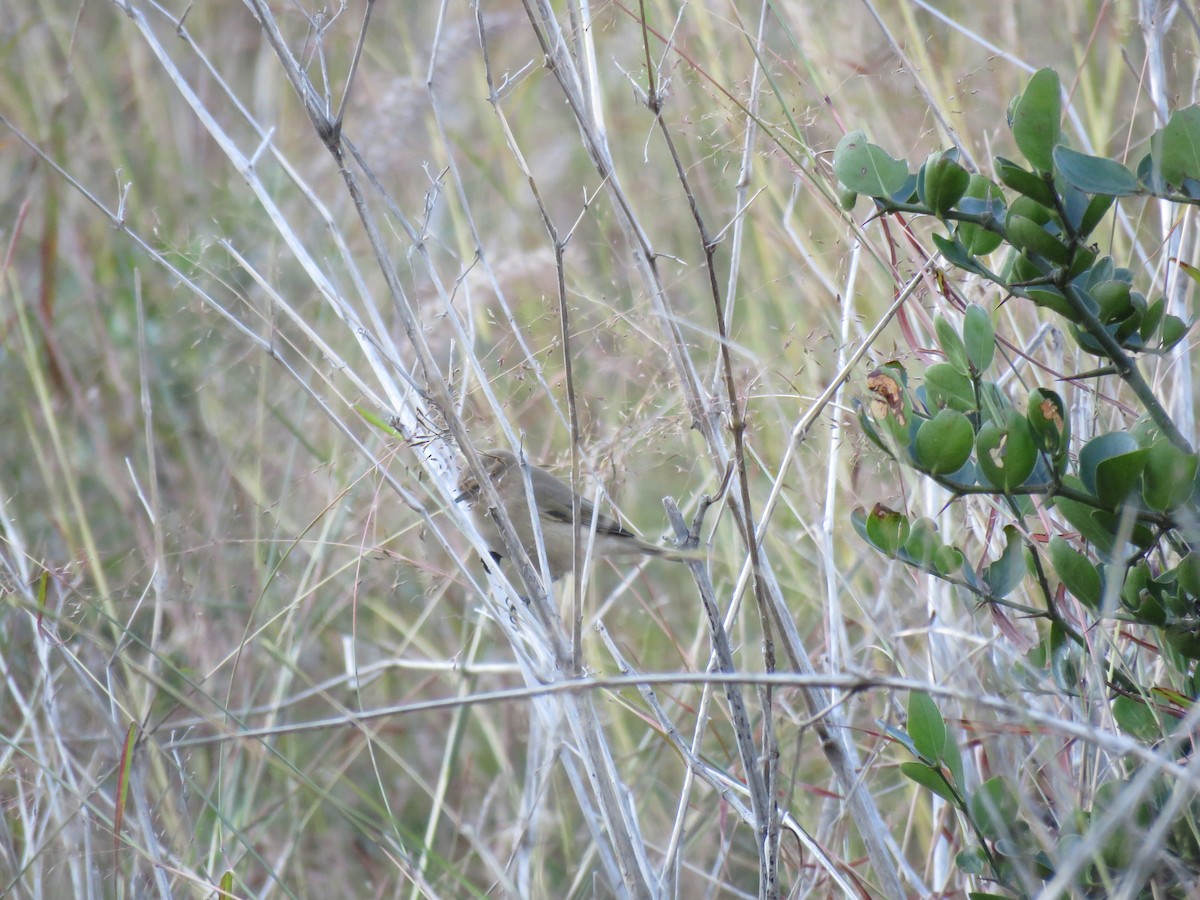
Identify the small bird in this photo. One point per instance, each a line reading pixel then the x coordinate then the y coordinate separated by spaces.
pixel 553 497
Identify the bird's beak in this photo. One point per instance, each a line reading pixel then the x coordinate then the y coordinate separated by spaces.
pixel 468 488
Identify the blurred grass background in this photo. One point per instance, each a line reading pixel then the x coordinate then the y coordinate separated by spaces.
pixel 217 550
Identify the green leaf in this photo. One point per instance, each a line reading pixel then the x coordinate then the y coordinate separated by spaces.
pixel 979 338
pixel 1026 234
pixel 1189 573
pixel 1029 208
pixel 1082 262
pixel 1093 215
pixel 1087 341
pixel 926 727
pixel 975 862
pixel 942 182
pixel 977 240
pixel 1173 330
pixel 1152 318
pixel 1020 269
pixel 1073 204
pixel 1078 573
pixel 945 386
pixel 1047 417
pixel 1064 660
pixel 1149 175
pixel 1024 182
pixel 1005 451
pixel 1169 478
pixel 983 198
pixel 886 529
pixel 1094 174
pixel 1098 449
pixel 952 760
pixel 1137 719
pixel 866 168
pixel 867 424
pixel 1138 595
pixel 891 407
pixel 1035 119
pixel 956 254
pixel 923 543
pixel 1110 466
pixel 1047 296
pixel 930 778
pixel 944 443
pixel 1003 575
pixel 1117 477
pixel 907 192
pixel 948 560
pixel 1115 522
pixel 994 808
pixel 858 518
pixel 898 735
pixel 1129 322
pixel 1175 150
pixel 374 419
pixel 993 403
pixel 1183 640
pixel 951 343
pixel 1189 270
pixel 1112 299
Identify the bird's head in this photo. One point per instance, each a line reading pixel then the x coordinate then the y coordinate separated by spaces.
pixel 495 463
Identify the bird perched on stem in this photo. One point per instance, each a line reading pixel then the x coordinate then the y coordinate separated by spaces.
pixel 553 498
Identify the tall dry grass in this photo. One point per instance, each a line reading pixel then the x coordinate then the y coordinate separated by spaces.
pixel 247 644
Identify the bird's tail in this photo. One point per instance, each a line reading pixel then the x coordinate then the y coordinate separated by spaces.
pixel 673 554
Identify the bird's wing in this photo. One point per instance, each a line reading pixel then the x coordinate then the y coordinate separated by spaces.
pixel 604 524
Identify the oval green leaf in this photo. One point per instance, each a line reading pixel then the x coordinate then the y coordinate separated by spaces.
pixel 923 543
pixel 1023 181
pixel 1094 174
pixel 887 530
pixel 946 387
pixel 944 443
pixel 1047 296
pixel 1173 330
pixel 1117 477
pixel 1047 417
pixel 943 183
pixel 1094 213
pixel 1005 451
pixel 951 343
pixel 1169 477
pixel 1084 518
pixel 1026 234
pixel 948 559
pixel 1035 119
pixel 1136 718
pixel 985 199
pixel 1098 449
pixel 1003 575
pixel 930 778
pixel 1077 573
pixel 979 337
pixel 926 727
pixel 994 808
pixel 866 168
pixel 1175 151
